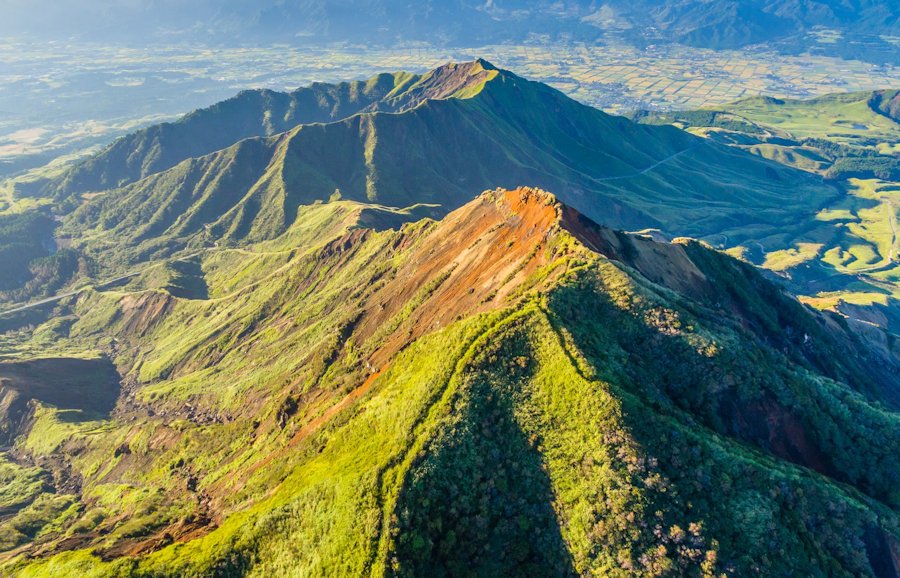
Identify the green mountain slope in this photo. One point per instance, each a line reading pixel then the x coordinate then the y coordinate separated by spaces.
pixel 887 102
pixel 455 130
pixel 510 390
pixel 255 113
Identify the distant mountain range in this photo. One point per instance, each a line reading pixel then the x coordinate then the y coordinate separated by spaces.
pixel 703 23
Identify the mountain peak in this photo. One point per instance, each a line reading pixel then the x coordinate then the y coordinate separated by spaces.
pixel 537 206
pixel 452 80
pixel 484 64
pixel 472 66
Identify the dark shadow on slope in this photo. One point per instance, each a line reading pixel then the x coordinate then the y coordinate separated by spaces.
pixel 727 292
pixel 820 342
pixel 675 396
pixel 24 318
pixel 479 503
pixel 187 280
pixel 381 219
pixel 89 385
pixel 884 552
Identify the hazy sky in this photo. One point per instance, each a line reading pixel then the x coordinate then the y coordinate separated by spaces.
pixel 225 20
pixel 115 18
pixel 710 23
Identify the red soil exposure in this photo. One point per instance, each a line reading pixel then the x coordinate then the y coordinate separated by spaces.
pixel 773 426
pixel 178 532
pixel 344 244
pixel 480 254
pixel 469 262
pixel 329 413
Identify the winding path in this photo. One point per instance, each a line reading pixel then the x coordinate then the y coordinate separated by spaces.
pixel 651 167
pixel 64 295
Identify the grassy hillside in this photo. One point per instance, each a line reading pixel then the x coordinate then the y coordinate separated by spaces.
pixel 509 390
pixel 848 118
pixel 251 113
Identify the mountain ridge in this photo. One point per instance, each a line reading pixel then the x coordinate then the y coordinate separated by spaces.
pixel 265 113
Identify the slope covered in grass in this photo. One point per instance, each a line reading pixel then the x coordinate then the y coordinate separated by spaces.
pixel 257 113
pixel 848 118
pixel 510 390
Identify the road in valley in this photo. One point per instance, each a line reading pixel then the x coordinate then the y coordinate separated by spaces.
pixel 74 292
